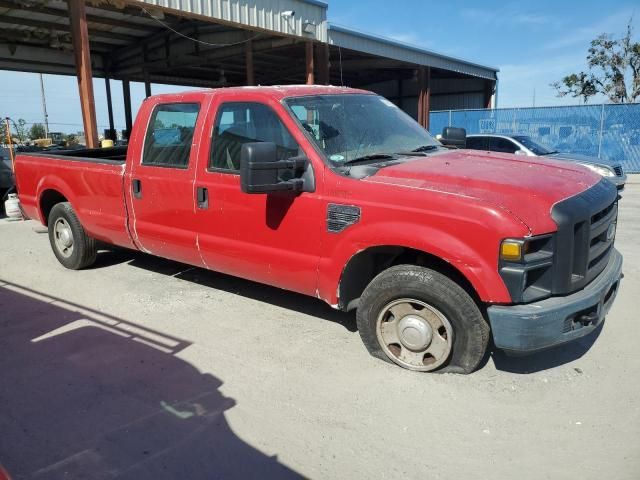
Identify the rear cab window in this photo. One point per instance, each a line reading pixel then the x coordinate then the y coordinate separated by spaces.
pixel 170 135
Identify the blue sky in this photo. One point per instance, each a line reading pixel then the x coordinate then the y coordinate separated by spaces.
pixel 533 44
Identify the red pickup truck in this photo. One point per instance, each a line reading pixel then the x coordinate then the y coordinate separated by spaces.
pixel 336 193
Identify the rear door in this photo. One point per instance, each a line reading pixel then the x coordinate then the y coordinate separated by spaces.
pixel 270 238
pixel 160 185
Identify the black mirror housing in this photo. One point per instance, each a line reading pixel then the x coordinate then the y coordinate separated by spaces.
pixel 453 137
pixel 260 170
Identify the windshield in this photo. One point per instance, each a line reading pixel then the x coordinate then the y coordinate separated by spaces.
pixel 359 126
pixel 533 146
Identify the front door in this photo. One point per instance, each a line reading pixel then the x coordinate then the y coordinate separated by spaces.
pixel 161 197
pixel 269 238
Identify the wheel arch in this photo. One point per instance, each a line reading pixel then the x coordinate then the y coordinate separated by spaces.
pixel 48 199
pixel 366 264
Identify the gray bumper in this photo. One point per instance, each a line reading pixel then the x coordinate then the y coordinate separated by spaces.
pixel 619 182
pixel 547 323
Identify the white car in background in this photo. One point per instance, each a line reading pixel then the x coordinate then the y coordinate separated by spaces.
pixel 525 145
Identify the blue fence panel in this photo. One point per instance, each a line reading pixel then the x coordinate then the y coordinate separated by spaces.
pixel 610 132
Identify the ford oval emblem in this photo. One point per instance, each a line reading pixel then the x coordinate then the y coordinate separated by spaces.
pixel 611 231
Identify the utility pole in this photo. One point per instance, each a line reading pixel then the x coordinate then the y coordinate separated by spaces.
pixel 534 96
pixel 44 108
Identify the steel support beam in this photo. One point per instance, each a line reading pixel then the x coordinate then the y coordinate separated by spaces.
pixel 310 80
pixel 126 97
pixel 489 88
pixel 424 96
pixel 107 86
pixel 324 66
pixel 80 36
pixel 251 80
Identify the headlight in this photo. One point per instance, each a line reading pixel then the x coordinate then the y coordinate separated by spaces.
pixel 526 266
pixel 599 169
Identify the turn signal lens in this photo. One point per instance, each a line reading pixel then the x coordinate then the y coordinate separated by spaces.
pixel 511 250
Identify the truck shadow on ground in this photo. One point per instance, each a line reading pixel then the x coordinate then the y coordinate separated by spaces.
pixel 546 359
pixel 311 306
pixel 227 283
pixel 87 395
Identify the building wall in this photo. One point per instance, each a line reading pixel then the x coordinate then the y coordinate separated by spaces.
pixel 264 14
pixel 446 94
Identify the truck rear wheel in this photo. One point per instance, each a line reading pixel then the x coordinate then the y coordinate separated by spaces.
pixel 421 320
pixel 70 243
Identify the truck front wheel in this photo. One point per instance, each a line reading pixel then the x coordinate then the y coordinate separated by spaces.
pixel 421 320
pixel 70 243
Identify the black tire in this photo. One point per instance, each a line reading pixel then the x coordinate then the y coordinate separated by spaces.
pixel 84 250
pixel 470 330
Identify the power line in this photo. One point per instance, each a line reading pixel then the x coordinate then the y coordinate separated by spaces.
pixel 217 45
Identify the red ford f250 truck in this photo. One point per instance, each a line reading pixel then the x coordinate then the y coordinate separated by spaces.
pixel 336 193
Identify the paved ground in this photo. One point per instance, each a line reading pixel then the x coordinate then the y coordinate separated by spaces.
pixel 143 368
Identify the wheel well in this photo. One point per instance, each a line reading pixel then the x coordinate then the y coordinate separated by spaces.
pixel 48 199
pixel 365 265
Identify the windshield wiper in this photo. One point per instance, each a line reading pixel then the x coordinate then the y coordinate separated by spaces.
pixel 425 148
pixel 373 156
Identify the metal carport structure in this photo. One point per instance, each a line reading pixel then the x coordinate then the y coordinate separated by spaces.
pixel 214 43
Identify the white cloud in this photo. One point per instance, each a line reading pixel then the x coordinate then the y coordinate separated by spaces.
pixel 612 24
pixel 517 82
pixel 511 15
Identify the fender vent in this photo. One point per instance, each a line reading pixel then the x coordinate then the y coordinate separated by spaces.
pixel 340 217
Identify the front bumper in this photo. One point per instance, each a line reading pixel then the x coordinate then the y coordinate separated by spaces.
pixel 619 181
pixel 556 320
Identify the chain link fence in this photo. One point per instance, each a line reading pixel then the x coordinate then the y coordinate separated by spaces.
pixel 610 132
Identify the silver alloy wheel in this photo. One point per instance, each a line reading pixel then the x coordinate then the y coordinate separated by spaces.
pixel 63 237
pixel 414 334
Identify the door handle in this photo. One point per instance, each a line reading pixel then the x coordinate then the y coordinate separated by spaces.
pixel 136 187
pixel 202 197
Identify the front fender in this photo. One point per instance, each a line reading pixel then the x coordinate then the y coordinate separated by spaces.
pixel 473 254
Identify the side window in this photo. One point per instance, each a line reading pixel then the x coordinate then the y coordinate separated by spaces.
pixel 240 123
pixel 170 135
pixel 503 145
pixel 477 143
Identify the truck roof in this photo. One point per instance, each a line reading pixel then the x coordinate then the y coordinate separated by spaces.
pixel 276 91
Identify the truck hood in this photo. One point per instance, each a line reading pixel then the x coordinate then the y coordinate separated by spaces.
pixel 528 187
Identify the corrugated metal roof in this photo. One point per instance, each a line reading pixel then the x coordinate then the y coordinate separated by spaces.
pixel 386 47
pixel 263 14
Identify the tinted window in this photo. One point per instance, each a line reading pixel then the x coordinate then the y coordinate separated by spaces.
pixel 170 134
pixel 502 145
pixel 477 143
pixel 533 146
pixel 240 123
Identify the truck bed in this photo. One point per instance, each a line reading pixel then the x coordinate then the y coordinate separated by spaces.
pixel 114 155
pixel 91 180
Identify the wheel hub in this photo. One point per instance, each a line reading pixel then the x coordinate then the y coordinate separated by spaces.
pixel 65 237
pixel 414 332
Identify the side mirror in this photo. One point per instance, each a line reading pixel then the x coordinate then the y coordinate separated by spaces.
pixel 262 172
pixel 453 137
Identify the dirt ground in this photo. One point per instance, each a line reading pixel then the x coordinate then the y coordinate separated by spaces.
pixel 143 368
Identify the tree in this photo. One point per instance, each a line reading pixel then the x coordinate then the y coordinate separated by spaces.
pixel 3 131
pixel 37 131
pixel 614 70
pixel 21 129
pixel 71 139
